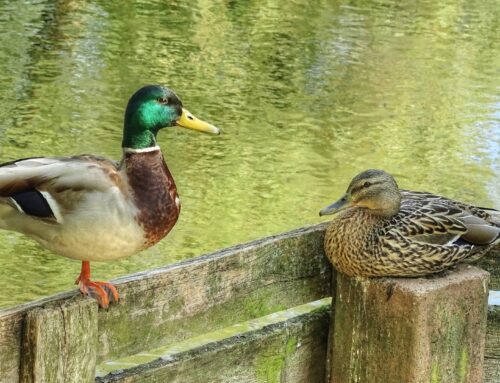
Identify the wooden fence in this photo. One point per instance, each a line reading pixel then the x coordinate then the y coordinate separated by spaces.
pixel 252 313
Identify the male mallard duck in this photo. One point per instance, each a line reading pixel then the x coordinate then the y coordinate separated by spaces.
pixel 93 209
pixel 379 230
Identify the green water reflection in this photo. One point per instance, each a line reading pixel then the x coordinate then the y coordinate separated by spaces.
pixel 307 92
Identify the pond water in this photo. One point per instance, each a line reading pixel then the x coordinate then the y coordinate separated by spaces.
pixel 308 93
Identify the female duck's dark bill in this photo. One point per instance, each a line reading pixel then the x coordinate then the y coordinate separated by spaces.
pixel 341 204
pixel 187 120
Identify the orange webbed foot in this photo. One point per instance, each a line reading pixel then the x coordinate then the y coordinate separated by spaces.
pixel 103 292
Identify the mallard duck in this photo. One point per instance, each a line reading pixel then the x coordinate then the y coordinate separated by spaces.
pixel 380 230
pixel 90 208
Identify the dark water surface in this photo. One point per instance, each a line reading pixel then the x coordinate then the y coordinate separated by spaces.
pixel 308 94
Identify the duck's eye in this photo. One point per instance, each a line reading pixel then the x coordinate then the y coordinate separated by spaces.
pixel 367 184
pixel 162 100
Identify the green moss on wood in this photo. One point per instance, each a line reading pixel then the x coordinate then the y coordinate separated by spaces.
pixel 463 367
pixel 241 284
pixel 450 346
pixel 395 330
pixel 264 350
pixel 269 368
pixel 435 376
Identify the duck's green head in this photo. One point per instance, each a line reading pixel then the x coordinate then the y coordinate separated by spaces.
pixel 152 108
pixel 372 189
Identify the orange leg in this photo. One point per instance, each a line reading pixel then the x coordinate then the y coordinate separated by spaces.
pixel 103 292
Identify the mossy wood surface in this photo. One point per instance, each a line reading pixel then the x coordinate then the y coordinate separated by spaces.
pixel 291 350
pixel 492 353
pixel 491 263
pixel 183 300
pixel 167 305
pixel 53 336
pixel 214 291
pixel 410 330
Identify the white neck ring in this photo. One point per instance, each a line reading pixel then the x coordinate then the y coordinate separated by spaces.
pixel 142 150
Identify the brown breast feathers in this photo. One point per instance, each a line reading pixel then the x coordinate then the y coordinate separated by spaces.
pixel 155 194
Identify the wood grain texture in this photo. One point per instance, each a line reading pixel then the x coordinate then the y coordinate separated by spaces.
pixel 393 330
pixel 291 351
pixel 11 335
pixel 211 292
pixel 165 305
pixel 183 300
pixel 491 263
pixel 492 352
pixel 59 343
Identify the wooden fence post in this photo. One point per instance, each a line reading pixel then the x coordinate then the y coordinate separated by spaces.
pixel 60 343
pixel 392 330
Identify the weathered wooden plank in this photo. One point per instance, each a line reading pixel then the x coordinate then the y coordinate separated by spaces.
pixel 492 352
pixel 283 347
pixel 394 330
pixel 11 332
pixel 214 291
pixel 10 348
pixel 203 294
pixel 491 263
pixel 147 360
pixel 144 361
pixel 59 343
pixel 193 297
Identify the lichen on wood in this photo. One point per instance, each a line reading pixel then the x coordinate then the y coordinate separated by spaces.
pixel 284 347
pixel 193 297
pixel 59 343
pixel 492 353
pixel 419 330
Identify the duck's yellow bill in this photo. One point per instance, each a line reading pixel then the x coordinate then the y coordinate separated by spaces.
pixel 187 120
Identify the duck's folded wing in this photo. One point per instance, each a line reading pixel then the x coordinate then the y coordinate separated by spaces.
pixel 43 187
pixel 479 231
pixel 487 214
pixel 436 222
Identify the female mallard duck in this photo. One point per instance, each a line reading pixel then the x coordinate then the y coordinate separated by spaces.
pixel 93 209
pixel 379 230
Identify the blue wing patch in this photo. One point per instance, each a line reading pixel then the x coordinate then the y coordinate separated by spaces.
pixel 32 202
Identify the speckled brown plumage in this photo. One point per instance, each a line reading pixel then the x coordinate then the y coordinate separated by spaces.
pixel 154 193
pixel 426 233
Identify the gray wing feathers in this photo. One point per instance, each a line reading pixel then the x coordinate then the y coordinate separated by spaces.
pixel 479 232
pixel 56 173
